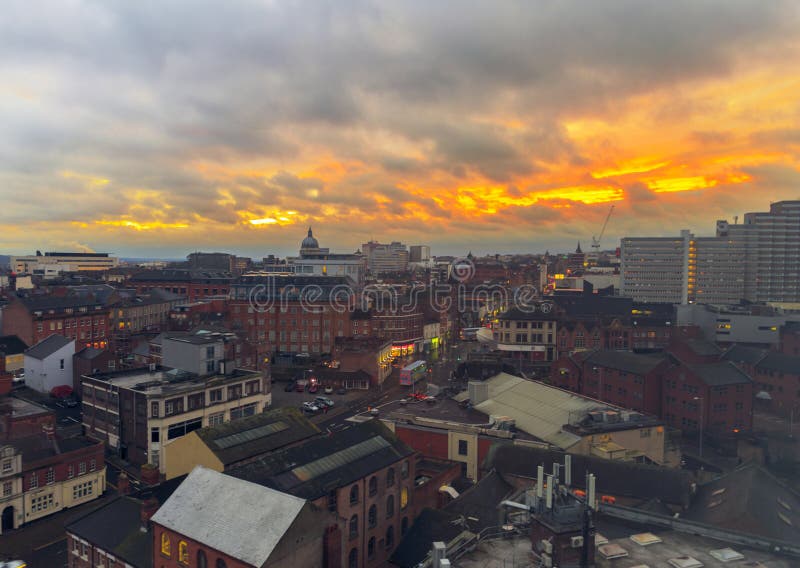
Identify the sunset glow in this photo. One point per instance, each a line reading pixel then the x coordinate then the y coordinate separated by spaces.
pixel 510 124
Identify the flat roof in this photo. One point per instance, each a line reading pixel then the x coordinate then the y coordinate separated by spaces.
pixel 165 381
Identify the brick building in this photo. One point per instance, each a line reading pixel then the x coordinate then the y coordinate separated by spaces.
pixel 776 376
pixel 34 318
pixel 364 474
pixel 193 284
pixel 527 335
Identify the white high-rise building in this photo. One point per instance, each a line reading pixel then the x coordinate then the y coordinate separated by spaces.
pixel 757 261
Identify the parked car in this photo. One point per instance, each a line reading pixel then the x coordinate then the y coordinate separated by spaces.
pixel 71 402
pixel 301 385
pixel 328 390
pixel 313 388
pixel 341 391
pixel 289 387
pixel 310 407
pixel 323 400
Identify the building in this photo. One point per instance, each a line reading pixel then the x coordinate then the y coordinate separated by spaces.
pixel 527 335
pixel 192 284
pixel 57 262
pixel 756 261
pixel 20 418
pixel 83 318
pixel 12 350
pixel 90 361
pixel 372 355
pixel 41 476
pixel 776 377
pixel 48 364
pixel 755 324
pixel 363 474
pixel 136 412
pixel 216 520
pixel 316 261
pixel 419 253
pixel 386 258
pixel 226 446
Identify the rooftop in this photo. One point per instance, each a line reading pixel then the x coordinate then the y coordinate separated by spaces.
pixel 48 346
pixel 168 381
pixel 635 363
pixel 241 519
pixel 18 408
pixel 719 374
pixel 781 363
pixel 12 345
pixel 533 313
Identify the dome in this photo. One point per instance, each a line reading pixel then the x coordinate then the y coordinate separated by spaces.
pixel 309 242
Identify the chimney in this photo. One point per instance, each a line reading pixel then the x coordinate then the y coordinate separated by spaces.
pixel 150 475
pixel 123 484
pixel 568 470
pixel 549 491
pixel 49 431
pixel 148 509
pixel 539 481
pixel 590 490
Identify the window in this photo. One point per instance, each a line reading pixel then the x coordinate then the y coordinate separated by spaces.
pixel 234 392
pixel 70 471
pixel 81 490
pixel 6 466
pixel 404 497
pixel 404 470
pixel 463 447
pixel 390 537
pixel 50 476
pixel 390 477
pixel 92 465
pixel 252 387
pixel 242 411
pixel 183 552
pixel 353 526
pixel 221 563
pixel 354 494
pixel 389 506
pixel 166 549
pixel 42 503
pixel 216 419
pixel 173 406
pixel 371 547
pixel 332 504
pixel 196 401
pixel 61 364
pixel 372 518
pixel 352 558
pixel 8 487
pixel 34 481
pixel 155 435
pixel 210 352
pixel 81 468
pixel 404 526
pixel 373 485
pixel 202 561
pixel 182 428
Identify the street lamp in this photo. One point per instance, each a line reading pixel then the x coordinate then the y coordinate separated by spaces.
pixel 599 370
pixel 702 403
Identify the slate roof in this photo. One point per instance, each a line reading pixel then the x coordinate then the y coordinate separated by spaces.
pixel 41 303
pixel 89 353
pixel 537 314
pixel 781 363
pixel 181 275
pixel 313 468
pixel 635 363
pixel 623 479
pixel 743 354
pixel 253 436
pixel 235 517
pixel 430 526
pixel 702 347
pixel 115 528
pixel 48 346
pixel 12 345
pixel 751 500
pixel 719 374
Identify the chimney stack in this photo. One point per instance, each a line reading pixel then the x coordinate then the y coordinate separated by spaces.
pixel 568 470
pixel 539 481
pixel 123 484
pixel 549 491
pixel 149 507
pixel 49 431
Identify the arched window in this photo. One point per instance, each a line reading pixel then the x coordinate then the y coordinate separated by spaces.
pixel 354 526
pixel 373 485
pixel 404 470
pixel 202 561
pixel 389 506
pixel 371 547
pixel 404 497
pixel 390 477
pixel 390 537
pixel 352 559
pixel 354 494
pixel 166 548
pixel 372 519
pixel 221 563
pixel 404 526
pixel 183 552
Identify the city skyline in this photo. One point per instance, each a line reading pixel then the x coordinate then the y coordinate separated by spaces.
pixel 141 132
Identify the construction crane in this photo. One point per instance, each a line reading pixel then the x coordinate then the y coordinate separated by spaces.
pixel 596 241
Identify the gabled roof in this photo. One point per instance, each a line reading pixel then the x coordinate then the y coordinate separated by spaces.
pixel 47 302
pixel 253 436
pixel 751 500
pixel 619 478
pixel 12 345
pixel 115 528
pixel 635 363
pixel 430 526
pixel 743 354
pixel 316 466
pixel 702 347
pixel 781 363
pixel 89 353
pixel 241 519
pixel 48 346
pixel 719 374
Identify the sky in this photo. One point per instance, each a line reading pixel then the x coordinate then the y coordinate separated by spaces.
pixel 154 129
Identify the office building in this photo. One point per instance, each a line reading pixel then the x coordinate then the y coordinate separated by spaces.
pixel 53 263
pixel 385 258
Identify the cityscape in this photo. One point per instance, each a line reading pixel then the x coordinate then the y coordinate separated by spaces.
pixel 375 285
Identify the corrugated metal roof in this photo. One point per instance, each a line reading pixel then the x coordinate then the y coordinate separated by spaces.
pixel 250 435
pixel 241 519
pixel 538 409
pixel 341 458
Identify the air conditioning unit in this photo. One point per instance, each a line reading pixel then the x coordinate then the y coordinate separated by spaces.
pixel 547 561
pixel 576 541
pixel 547 547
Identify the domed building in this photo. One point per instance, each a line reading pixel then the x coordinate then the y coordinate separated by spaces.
pixel 309 244
pixel 317 261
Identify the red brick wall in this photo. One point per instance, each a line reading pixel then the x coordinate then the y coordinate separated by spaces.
pixel 27 425
pixel 17 321
pixel 430 443
pixel 172 561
